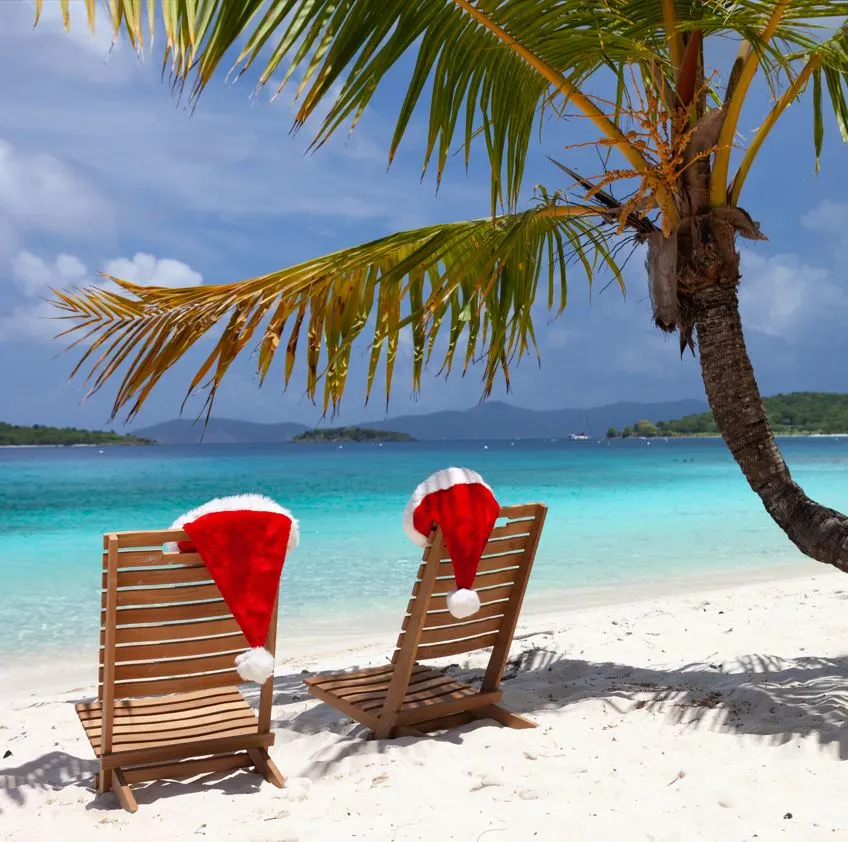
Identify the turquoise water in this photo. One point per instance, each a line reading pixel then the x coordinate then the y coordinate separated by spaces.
pixel 622 513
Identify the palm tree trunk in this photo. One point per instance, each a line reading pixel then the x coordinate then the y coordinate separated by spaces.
pixel 819 532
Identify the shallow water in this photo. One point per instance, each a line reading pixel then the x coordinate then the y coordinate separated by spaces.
pixel 619 513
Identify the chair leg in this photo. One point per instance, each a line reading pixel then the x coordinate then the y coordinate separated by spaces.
pixel 104 781
pixel 121 789
pixel 266 767
pixel 504 716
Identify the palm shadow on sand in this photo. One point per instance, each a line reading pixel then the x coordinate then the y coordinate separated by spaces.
pixel 773 698
pixel 769 697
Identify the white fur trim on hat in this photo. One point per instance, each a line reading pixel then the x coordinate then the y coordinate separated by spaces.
pixel 237 503
pixel 256 664
pixel 439 481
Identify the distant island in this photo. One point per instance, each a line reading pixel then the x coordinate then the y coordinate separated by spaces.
pixel 13 435
pixel 351 434
pixel 794 414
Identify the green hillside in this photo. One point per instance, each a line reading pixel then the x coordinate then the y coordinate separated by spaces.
pixel 13 434
pixel 798 413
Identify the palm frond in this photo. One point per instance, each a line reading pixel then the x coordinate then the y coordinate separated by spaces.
pixel 472 281
pixel 487 66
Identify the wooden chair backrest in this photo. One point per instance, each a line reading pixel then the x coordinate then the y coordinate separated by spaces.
pixel 165 627
pixel 430 631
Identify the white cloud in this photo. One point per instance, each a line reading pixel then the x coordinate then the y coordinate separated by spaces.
pixel 75 54
pixel 827 217
pixel 784 296
pixel 40 193
pixel 150 271
pixel 35 276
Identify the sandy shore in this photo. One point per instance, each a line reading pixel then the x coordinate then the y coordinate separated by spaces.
pixel 720 713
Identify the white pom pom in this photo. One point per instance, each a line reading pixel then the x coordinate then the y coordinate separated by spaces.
pixel 256 664
pixel 463 603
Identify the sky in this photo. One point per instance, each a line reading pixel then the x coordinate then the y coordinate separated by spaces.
pixel 102 169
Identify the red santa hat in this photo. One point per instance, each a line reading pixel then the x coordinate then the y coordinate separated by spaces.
pixel 243 542
pixel 465 509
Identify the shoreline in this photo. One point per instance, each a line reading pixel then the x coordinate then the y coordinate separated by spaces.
pixel 373 636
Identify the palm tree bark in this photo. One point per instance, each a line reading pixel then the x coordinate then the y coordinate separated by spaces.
pixel 818 531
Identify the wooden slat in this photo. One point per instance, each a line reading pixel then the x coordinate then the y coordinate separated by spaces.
pixel 487 565
pixel 445 618
pixel 420 674
pixel 151 538
pixel 487 579
pixel 438 687
pixel 524 510
pixel 244 722
pixel 422 710
pixel 183 684
pixel 154 614
pixel 184 649
pixel 193 732
pixel 174 752
pixel 199 630
pixel 129 559
pixel 170 668
pixel 511 527
pixel 339 680
pixel 181 770
pixel 128 726
pixel 154 718
pixel 441 650
pixel 374 698
pixel 142 707
pixel 504 545
pixel 165 596
pixel 440 603
pixel 442 634
pixel 151 577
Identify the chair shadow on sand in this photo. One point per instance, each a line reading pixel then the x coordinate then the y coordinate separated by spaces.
pixel 769 697
pixel 764 696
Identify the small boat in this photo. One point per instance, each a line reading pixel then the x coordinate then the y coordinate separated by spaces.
pixel 579 437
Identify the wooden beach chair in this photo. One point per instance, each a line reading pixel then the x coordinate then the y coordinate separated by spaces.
pixel 168 706
pixel 405 698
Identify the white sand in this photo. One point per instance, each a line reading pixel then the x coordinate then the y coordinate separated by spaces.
pixel 718 714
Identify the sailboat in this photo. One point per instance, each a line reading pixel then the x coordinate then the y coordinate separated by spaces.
pixel 581 436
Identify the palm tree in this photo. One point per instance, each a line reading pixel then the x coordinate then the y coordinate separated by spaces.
pixel 497 70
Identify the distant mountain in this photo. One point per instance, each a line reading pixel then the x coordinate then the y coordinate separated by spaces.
pixel 492 420
pixel 497 420
pixel 220 431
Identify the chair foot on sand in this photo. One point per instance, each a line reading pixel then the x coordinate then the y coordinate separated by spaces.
pixel 122 791
pixel 501 715
pixel 504 716
pixel 266 767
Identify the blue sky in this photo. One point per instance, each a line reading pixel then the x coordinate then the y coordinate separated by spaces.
pixel 100 168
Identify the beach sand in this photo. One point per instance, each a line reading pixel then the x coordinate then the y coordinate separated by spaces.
pixel 711 710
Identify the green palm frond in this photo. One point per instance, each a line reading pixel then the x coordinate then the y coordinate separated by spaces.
pixel 475 282
pixel 477 82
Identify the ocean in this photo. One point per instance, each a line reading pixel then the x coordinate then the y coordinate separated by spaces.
pixel 623 512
